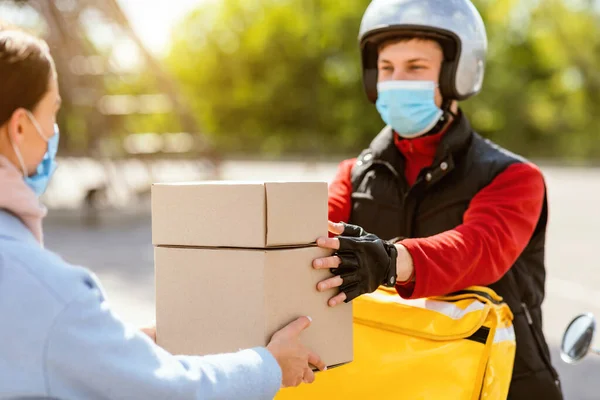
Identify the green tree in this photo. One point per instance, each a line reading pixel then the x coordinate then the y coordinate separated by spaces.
pixel 275 76
pixel 540 96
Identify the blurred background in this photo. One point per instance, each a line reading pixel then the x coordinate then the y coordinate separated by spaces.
pixel 271 89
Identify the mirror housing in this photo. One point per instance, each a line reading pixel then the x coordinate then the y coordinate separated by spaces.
pixel 577 339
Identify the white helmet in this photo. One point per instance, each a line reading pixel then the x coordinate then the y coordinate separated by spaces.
pixel 455 24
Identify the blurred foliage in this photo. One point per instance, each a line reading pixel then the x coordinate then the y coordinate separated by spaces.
pixel 136 85
pixel 276 76
pixel 283 76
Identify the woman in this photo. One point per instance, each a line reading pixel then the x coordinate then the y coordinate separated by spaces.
pixel 58 337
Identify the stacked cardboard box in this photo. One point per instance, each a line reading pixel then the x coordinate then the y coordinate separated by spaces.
pixel 234 265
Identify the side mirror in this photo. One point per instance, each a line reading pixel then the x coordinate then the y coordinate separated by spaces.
pixel 578 337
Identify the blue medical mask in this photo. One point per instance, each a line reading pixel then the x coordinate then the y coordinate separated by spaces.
pixel 408 106
pixel 39 181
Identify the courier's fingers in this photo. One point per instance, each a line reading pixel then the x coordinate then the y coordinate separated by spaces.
pixel 328 243
pixel 330 283
pixel 339 299
pixel 327 262
pixel 336 228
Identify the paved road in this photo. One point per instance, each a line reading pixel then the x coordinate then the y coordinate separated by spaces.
pixel 120 252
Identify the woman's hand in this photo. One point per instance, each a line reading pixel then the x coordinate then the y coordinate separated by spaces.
pixel 150 331
pixel 362 262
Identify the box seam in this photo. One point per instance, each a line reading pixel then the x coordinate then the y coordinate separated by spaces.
pixel 266 220
pixel 273 248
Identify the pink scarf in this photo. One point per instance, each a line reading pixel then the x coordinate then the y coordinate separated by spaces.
pixel 17 198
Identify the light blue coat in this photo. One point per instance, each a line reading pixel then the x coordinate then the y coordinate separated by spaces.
pixel 59 338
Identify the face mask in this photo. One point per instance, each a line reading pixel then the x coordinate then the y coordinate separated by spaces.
pixel 408 106
pixel 39 181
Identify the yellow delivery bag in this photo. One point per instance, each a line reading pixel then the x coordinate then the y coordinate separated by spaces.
pixel 457 347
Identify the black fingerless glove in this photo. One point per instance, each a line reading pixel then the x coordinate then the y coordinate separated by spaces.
pixel 366 262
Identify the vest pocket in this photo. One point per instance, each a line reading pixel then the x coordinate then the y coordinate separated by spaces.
pixel 528 360
pixel 538 337
pixel 532 355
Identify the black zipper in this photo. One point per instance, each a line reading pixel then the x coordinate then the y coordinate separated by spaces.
pixel 404 190
pixel 410 212
pixel 540 347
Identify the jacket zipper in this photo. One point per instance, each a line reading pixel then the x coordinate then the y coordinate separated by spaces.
pixel 404 196
pixel 409 212
pixel 539 344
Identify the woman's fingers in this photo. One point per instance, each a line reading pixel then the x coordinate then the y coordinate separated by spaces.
pixel 309 376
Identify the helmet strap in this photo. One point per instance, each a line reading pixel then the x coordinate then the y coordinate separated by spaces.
pixel 447 108
pixel 443 121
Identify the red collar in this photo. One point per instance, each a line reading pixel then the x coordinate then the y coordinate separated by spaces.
pixel 425 146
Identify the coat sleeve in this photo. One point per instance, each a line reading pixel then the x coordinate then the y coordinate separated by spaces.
pixel 91 354
pixel 496 228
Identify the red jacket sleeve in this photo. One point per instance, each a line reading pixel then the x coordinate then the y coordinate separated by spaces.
pixel 340 193
pixel 496 229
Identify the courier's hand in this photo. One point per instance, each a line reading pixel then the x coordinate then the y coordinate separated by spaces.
pixel 292 356
pixel 361 263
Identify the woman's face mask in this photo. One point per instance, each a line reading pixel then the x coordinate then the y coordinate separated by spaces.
pixel 39 181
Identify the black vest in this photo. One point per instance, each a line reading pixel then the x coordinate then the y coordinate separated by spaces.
pixel 384 204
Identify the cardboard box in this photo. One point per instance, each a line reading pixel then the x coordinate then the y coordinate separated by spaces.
pixel 238 214
pixel 212 300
